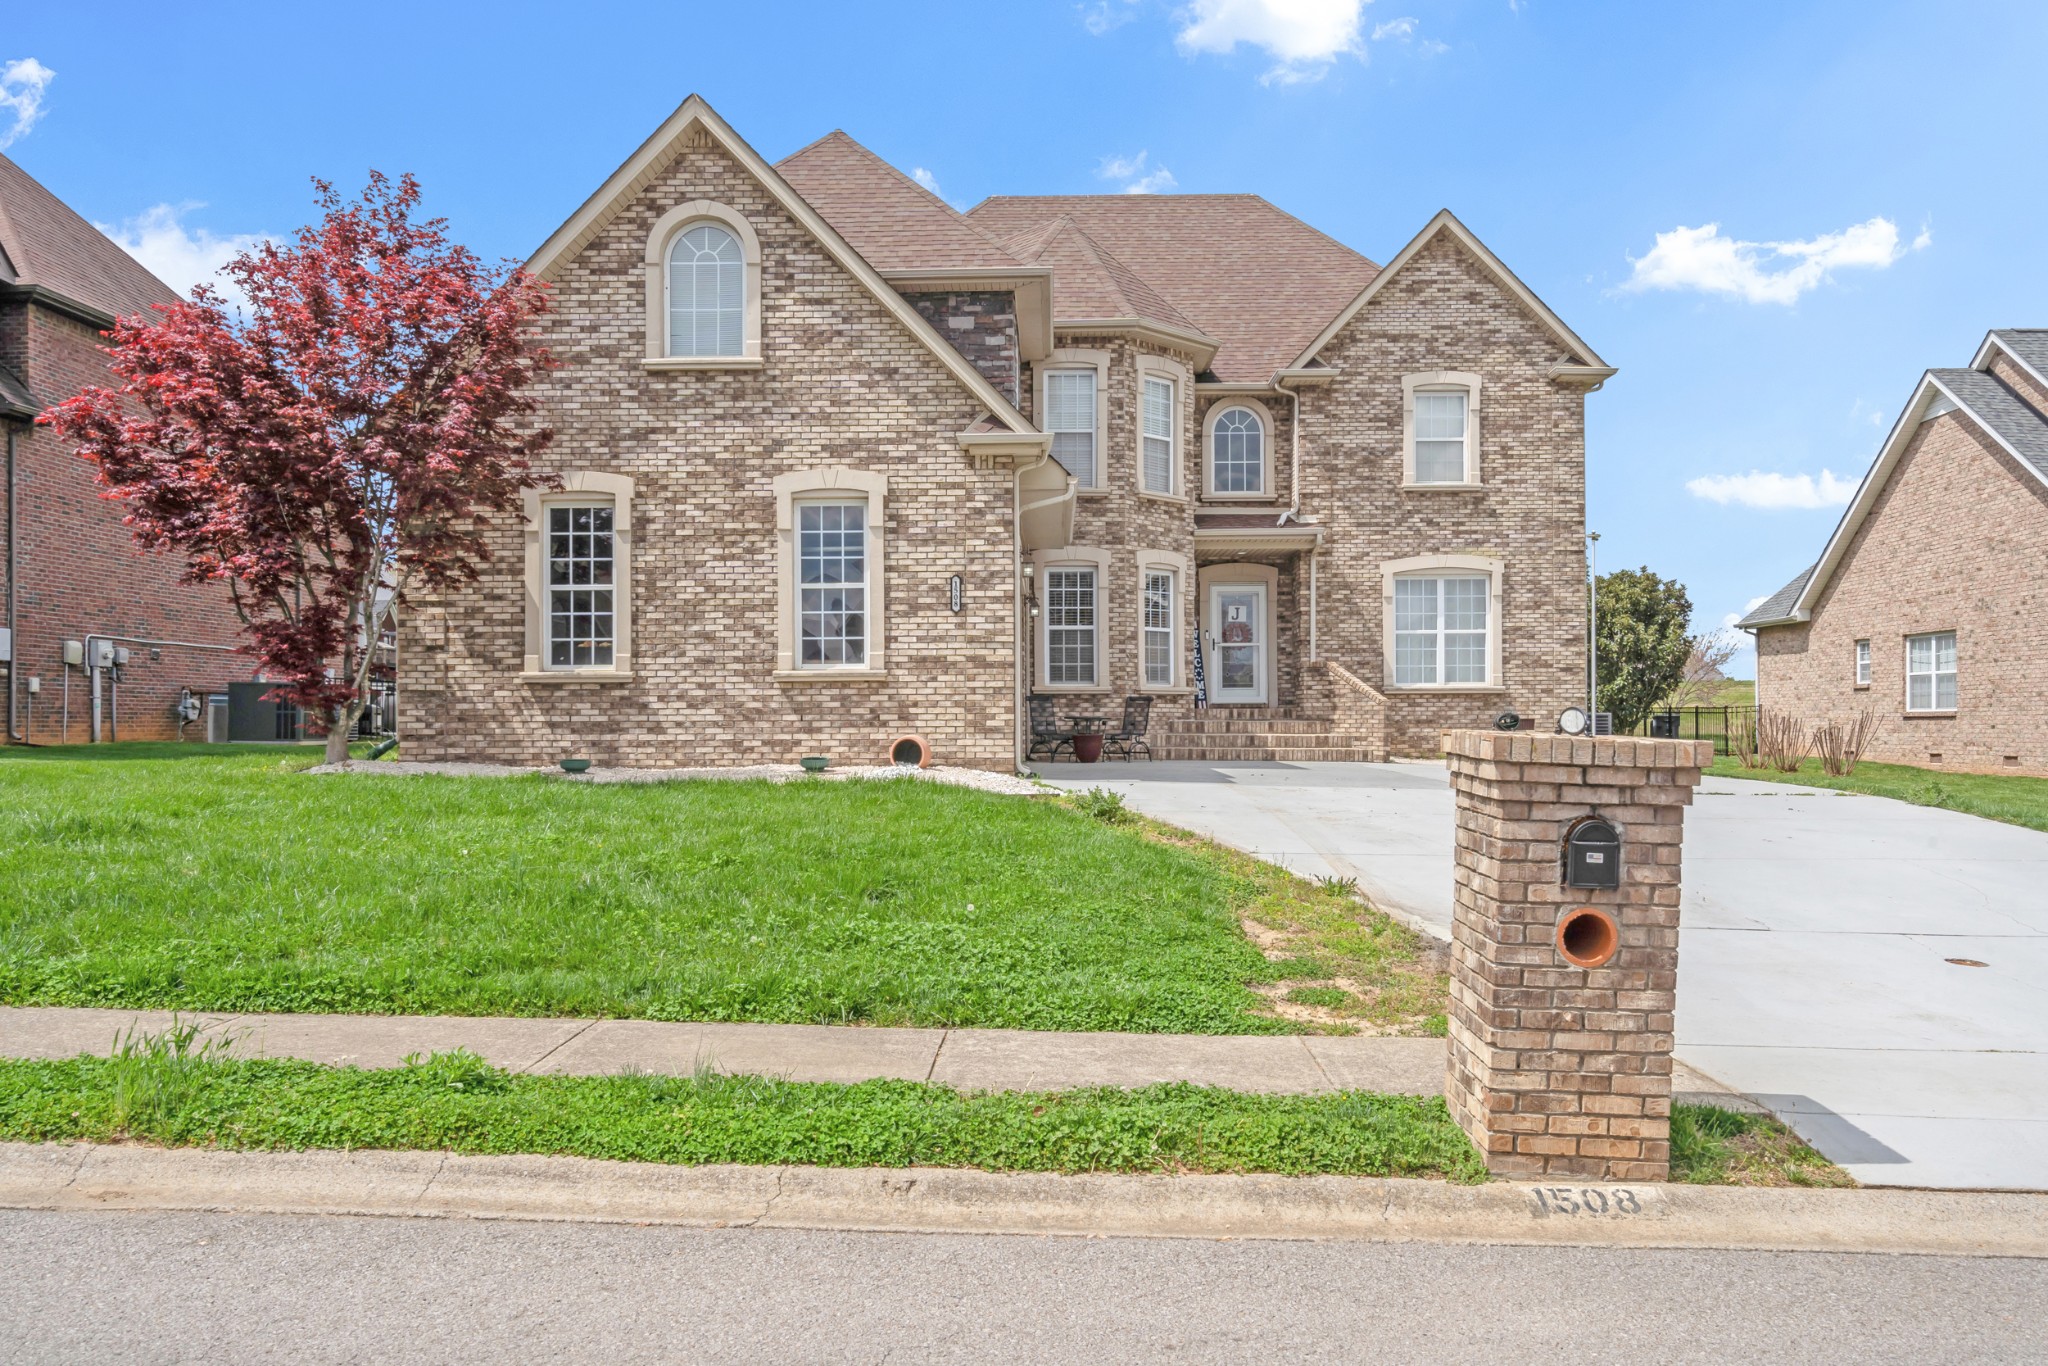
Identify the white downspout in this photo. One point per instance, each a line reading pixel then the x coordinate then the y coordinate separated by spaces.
pixel 1293 513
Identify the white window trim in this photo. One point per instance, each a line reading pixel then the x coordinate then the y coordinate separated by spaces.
pixel 1079 358
pixel 1862 659
pixel 1268 493
pixel 1934 689
pixel 1440 381
pixel 1183 379
pixel 666 229
pixel 583 487
pixel 1436 566
pixel 1067 556
pixel 841 484
pixel 1178 565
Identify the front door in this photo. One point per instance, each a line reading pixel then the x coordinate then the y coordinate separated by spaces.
pixel 1237 638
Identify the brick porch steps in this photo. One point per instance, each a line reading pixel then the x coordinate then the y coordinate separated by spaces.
pixel 1269 735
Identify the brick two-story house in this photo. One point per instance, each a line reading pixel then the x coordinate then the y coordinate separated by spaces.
pixel 1929 606
pixel 72 571
pixel 841 464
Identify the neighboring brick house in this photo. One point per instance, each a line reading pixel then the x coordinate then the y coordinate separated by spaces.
pixel 1929 606
pixel 71 568
pixel 842 464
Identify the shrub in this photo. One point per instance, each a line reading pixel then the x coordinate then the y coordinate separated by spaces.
pixel 1103 804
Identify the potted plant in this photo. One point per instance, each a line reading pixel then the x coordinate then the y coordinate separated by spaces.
pixel 578 763
pixel 814 763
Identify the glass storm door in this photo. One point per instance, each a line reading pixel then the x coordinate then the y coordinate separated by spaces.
pixel 1237 632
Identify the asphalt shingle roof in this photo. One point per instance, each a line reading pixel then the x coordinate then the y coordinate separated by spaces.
pixel 1089 281
pixel 50 246
pixel 2030 344
pixel 1778 606
pixel 1261 282
pixel 2002 413
pixel 890 219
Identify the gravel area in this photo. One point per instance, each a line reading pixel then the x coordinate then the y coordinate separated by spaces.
pixel 938 773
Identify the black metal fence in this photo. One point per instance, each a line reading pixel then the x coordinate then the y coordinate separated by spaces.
pixel 1725 726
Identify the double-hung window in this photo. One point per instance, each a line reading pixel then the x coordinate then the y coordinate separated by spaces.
pixel 1440 630
pixel 1070 417
pixel 1862 663
pixel 832 584
pixel 1440 432
pixel 1931 672
pixel 1158 628
pixel 1156 458
pixel 1070 625
pixel 581 565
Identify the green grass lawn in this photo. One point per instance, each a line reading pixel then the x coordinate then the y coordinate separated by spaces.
pixel 169 1088
pixel 457 1103
pixel 225 879
pixel 1995 796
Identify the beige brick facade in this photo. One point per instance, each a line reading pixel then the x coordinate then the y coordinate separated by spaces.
pixel 843 381
pixel 1955 540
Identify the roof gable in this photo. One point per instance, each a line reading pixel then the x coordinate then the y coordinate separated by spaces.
pixel 1978 398
pixel 1584 357
pixel 695 118
pixel 48 246
pixel 1255 279
pixel 893 221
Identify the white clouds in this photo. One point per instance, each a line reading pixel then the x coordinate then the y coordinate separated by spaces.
pixel 180 256
pixel 1765 272
pixel 930 182
pixel 1774 492
pixel 1303 36
pixel 1394 28
pixel 22 84
pixel 1103 15
pixel 1136 179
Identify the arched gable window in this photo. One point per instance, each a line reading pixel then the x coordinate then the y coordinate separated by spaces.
pixel 1238 455
pixel 707 291
pixel 703 290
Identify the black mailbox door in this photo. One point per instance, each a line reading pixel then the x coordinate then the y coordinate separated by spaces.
pixel 1592 855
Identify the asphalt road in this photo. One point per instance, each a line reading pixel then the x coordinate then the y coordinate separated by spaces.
pixel 233 1288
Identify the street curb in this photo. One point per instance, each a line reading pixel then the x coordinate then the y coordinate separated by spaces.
pixel 76 1176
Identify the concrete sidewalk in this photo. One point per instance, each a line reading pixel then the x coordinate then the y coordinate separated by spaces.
pixel 966 1059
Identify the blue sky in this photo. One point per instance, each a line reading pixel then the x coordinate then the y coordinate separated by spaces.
pixel 1772 217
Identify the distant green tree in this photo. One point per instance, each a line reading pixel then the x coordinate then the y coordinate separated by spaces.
pixel 1641 642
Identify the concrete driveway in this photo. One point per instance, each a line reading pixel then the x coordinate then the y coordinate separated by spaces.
pixel 1818 930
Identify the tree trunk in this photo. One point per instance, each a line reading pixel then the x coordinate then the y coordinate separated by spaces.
pixel 339 724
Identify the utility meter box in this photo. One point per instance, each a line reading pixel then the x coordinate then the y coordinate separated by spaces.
pixel 1592 854
pixel 99 654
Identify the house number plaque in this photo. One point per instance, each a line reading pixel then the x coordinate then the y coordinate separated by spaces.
pixel 953 592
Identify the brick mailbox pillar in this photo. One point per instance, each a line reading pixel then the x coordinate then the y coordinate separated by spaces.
pixel 1562 996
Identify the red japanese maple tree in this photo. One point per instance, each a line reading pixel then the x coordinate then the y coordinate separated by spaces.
pixel 341 440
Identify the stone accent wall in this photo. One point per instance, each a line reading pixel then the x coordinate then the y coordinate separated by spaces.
pixel 982 327
pixel 80 569
pixel 1444 311
pixel 843 383
pixel 1554 1068
pixel 1957 540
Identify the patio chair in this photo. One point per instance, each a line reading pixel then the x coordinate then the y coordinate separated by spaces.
pixel 1129 738
pixel 1046 734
